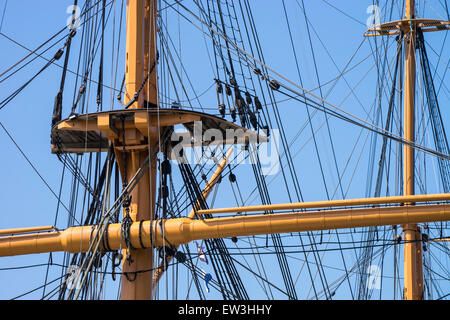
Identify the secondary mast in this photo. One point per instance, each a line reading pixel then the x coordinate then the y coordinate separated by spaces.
pixel 413 259
pixel 408 29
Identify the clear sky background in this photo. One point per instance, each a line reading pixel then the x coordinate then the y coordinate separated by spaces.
pixel 27 201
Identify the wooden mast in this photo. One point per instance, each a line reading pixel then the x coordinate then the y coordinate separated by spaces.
pixel 413 263
pixel 407 28
pixel 140 56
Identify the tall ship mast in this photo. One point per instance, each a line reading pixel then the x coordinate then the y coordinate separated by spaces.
pixel 169 192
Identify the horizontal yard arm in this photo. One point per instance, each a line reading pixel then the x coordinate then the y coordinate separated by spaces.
pixel 183 230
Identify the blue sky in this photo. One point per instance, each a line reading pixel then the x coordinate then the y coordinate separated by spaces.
pixel 26 201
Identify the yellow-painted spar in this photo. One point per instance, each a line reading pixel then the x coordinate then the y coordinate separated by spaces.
pixel 440 240
pixel 184 230
pixel 333 203
pixel 6 232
